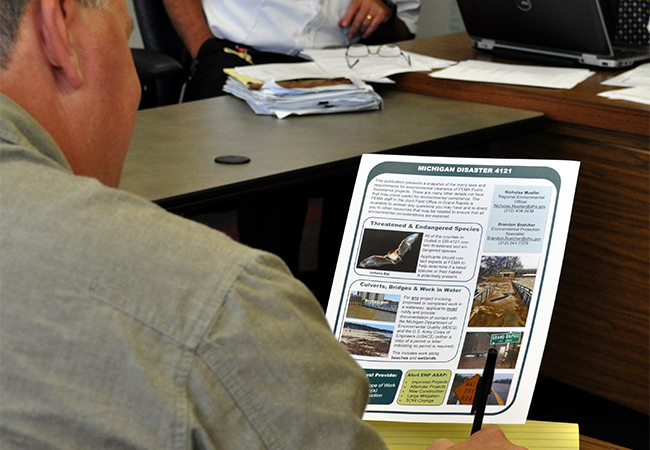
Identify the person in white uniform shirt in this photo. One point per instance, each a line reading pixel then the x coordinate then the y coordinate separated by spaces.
pixel 287 26
pixel 227 33
pixel 259 31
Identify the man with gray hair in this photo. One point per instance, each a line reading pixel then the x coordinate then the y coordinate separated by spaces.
pixel 122 325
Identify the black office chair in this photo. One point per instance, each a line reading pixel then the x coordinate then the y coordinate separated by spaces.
pixel 163 63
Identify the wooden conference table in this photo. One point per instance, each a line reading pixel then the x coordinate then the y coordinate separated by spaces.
pixel 600 333
pixel 171 159
pixel 587 443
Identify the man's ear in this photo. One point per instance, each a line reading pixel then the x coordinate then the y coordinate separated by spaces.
pixel 57 16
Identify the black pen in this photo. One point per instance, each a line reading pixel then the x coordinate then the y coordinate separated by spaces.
pixel 483 389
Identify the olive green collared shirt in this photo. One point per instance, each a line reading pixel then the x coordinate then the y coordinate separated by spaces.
pixel 124 326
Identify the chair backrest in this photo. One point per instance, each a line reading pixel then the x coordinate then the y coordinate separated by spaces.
pixel 157 30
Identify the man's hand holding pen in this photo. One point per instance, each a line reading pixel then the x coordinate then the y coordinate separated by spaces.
pixel 489 438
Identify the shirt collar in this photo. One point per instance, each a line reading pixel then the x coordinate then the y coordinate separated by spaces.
pixel 17 126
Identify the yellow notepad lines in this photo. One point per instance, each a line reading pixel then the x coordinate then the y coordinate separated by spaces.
pixel 532 435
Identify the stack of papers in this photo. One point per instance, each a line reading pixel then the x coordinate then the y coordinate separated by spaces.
pixel 636 83
pixel 302 88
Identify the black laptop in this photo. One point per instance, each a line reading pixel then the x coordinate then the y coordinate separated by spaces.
pixel 557 32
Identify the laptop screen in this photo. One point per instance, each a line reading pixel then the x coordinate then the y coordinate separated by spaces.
pixel 572 26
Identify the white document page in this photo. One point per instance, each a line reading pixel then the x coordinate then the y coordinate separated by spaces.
pixel 443 259
pixel 373 67
pixel 285 71
pixel 639 76
pixel 637 94
pixel 536 76
pixel 637 82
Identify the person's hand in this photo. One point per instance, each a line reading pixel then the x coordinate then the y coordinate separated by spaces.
pixel 489 438
pixel 364 16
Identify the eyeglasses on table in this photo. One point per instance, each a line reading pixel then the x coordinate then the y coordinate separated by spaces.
pixel 358 51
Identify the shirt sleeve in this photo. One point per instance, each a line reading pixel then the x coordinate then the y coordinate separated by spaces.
pixel 270 374
pixel 409 12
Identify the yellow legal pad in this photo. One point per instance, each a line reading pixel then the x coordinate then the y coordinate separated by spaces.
pixel 532 435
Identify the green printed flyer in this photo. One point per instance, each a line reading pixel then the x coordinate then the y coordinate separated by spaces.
pixel 442 260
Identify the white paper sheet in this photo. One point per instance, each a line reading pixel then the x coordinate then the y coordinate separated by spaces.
pixel 639 76
pixel 536 76
pixel 637 94
pixel 478 247
pixel 288 71
pixel 372 67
